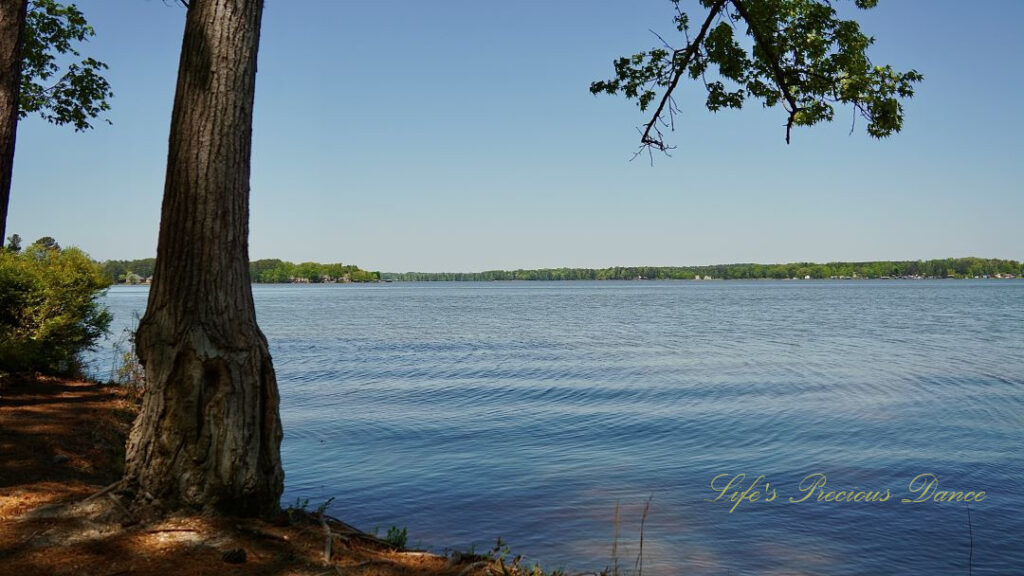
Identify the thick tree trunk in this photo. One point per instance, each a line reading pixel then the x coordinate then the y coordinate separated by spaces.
pixel 209 433
pixel 12 36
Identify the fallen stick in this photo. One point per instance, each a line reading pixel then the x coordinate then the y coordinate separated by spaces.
pixel 103 492
pixel 327 540
pixel 261 533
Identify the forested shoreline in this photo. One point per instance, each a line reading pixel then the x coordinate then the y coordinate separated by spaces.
pixel 266 271
pixel 944 268
pixel 275 271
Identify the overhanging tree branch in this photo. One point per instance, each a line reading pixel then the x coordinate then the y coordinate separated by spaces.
pixel 803 56
pixel 773 62
pixel 680 68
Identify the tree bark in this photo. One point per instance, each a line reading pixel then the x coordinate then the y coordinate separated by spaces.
pixel 12 38
pixel 209 433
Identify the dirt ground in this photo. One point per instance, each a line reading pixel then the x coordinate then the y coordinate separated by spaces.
pixel 62 443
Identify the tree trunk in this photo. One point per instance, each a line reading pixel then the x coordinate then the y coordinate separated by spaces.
pixel 12 37
pixel 209 433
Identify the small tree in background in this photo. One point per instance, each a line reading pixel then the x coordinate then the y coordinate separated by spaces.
pixel 49 308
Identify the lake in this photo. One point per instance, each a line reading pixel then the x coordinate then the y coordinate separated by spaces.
pixel 532 411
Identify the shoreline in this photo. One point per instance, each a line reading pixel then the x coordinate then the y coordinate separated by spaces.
pixel 626 280
pixel 63 441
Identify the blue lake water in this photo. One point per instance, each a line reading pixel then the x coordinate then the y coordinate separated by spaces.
pixel 468 411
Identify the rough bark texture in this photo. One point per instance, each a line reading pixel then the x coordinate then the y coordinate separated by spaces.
pixel 12 36
pixel 209 433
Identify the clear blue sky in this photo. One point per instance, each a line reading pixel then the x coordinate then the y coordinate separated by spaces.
pixel 460 135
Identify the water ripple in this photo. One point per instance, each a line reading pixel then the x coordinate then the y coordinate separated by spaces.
pixel 529 411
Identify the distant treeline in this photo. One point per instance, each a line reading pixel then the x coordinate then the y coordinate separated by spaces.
pixel 947 268
pixel 261 271
pixel 279 271
pixel 129 271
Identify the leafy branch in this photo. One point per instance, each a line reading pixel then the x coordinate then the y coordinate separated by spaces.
pixel 798 54
pixel 80 93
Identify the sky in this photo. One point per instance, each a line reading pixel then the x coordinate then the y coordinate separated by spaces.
pixel 461 136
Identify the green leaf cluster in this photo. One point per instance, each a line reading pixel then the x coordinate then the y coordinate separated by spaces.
pixel 795 53
pixel 49 307
pixel 74 93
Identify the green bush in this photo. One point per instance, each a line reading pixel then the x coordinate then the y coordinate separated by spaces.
pixel 49 307
pixel 397 537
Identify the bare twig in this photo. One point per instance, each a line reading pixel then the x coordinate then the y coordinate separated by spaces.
pixel 970 528
pixel 663 41
pixel 615 542
pixel 639 567
pixel 474 567
pixel 261 533
pixel 336 523
pixel 103 492
pixel 681 65
pixel 327 539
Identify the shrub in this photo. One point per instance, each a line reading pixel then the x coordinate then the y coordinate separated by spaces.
pixel 397 537
pixel 127 369
pixel 49 308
